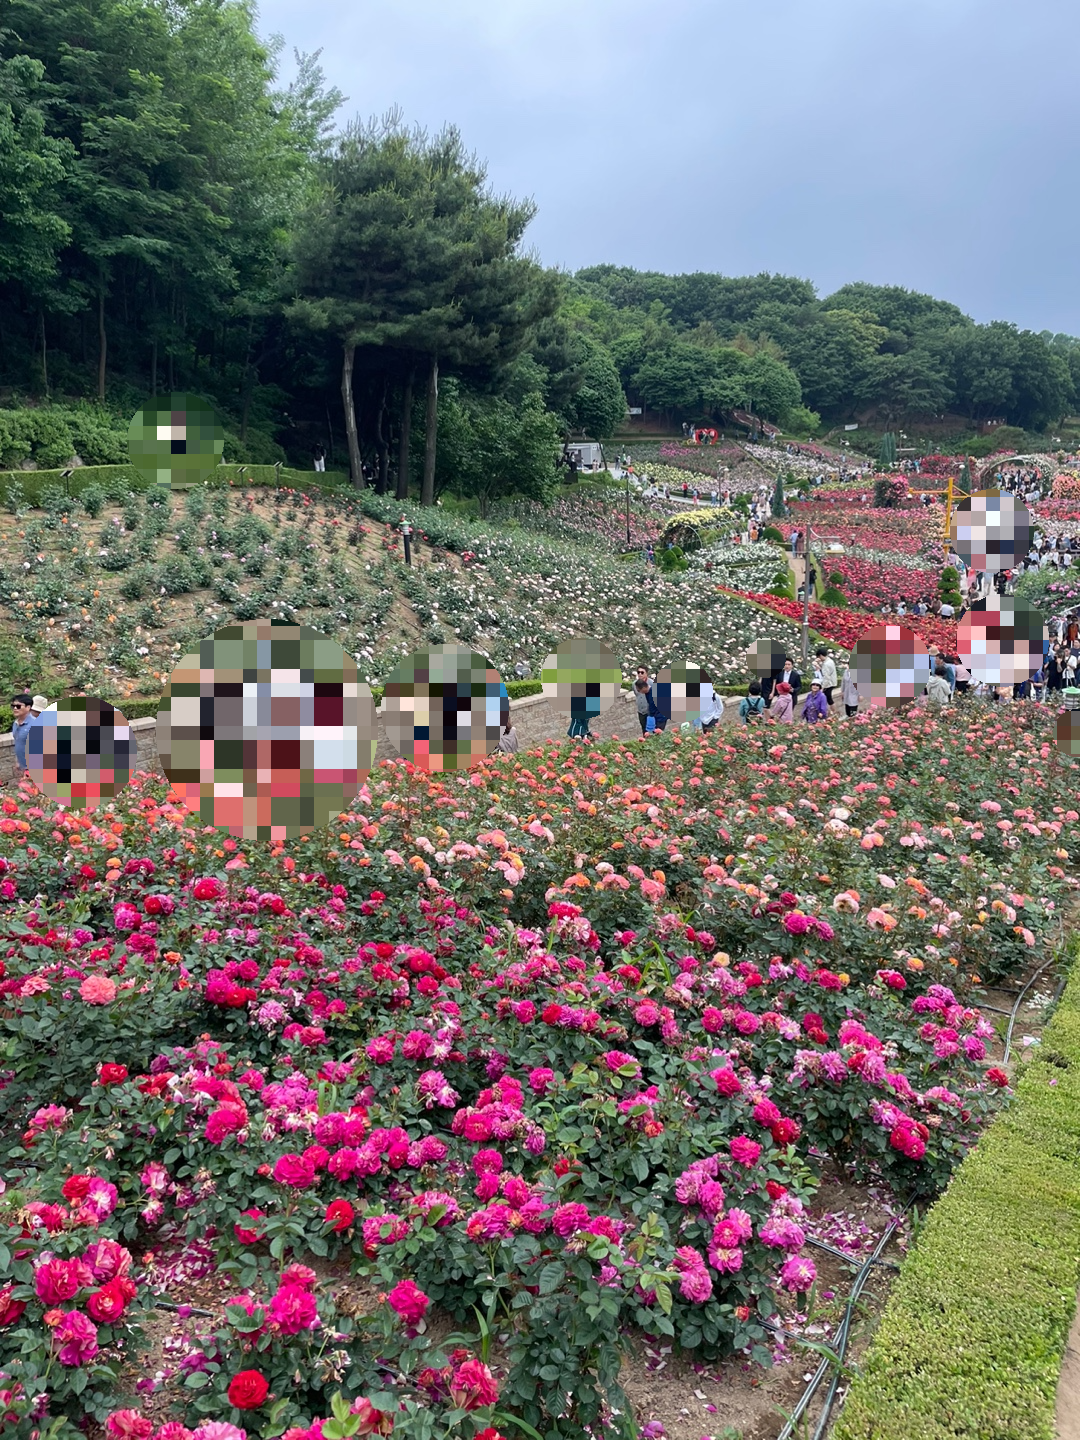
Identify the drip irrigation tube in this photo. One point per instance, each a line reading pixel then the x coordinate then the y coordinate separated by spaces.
pixel 841 1338
pixel 1019 999
pixel 851 1259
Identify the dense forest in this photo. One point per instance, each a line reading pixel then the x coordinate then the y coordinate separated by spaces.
pixel 172 218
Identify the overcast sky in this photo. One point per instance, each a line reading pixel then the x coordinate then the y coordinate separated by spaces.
pixel 926 143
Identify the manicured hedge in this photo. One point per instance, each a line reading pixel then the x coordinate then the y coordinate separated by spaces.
pixel 972 1338
pixel 31 482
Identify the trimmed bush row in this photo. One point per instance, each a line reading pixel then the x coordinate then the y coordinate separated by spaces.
pixel 972 1339
pixel 31 482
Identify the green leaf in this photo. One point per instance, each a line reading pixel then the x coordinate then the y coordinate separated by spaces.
pixel 640 1166
pixel 551 1277
pixel 197 1380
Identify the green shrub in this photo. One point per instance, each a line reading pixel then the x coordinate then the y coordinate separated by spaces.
pixel 831 596
pixel 972 1339
pixel 772 533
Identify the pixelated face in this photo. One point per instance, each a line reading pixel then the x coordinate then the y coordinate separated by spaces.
pixel 991 531
pixel 175 439
pixel 581 678
pixel 1068 733
pixel 80 751
pixel 443 708
pixel 1000 640
pixel 765 658
pixel 890 665
pixel 267 732
pixel 681 692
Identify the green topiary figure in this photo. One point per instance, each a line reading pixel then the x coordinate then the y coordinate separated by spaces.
pixel 779 509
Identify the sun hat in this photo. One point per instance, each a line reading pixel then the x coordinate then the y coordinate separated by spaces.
pixel 39 703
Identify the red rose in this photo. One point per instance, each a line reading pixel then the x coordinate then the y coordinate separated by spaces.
pixel 75 1188
pixel 997 1076
pixel 248 1390
pixel 208 888
pixel 10 1310
pixel 108 1304
pixel 340 1214
pixel 785 1131
pixel 774 1189
pixel 112 1074
pixel 246 1234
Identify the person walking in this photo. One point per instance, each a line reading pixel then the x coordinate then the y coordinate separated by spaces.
pixel 578 728
pixel 849 693
pixel 783 704
pixel 319 457
pixel 751 705
pixel 816 707
pixel 20 730
pixel 642 697
pixel 790 676
pixel 829 678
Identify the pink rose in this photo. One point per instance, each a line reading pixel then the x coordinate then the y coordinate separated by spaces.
pixel 75 1339
pixel 294 1170
pixel 745 1151
pixel 223 1121
pixel 293 1309
pixel 473 1386
pixel 409 1301
pixel 58 1280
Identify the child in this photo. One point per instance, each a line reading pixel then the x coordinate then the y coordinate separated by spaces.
pixel 816 707
pixel 783 706
pixel 508 739
pixel 751 704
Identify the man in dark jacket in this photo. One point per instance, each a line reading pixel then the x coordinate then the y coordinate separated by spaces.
pixel 791 676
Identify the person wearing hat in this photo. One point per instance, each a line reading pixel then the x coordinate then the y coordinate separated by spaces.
pixel 783 704
pixel 37 705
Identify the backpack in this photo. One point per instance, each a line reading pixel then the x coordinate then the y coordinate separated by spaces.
pixel 755 705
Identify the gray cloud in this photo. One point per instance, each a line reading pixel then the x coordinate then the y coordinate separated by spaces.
pixel 927 143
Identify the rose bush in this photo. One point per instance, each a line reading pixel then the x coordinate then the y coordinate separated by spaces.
pixel 565 1041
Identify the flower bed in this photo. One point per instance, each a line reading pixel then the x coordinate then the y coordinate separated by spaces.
pixel 845 626
pixel 871 584
pixel 973 1337
pixel 449 1049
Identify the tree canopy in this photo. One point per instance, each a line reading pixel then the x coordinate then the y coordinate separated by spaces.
pixel 172 217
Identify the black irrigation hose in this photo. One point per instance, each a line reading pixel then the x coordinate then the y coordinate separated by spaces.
pixel 851 1259
pixel 842 1337
pixel 1019 999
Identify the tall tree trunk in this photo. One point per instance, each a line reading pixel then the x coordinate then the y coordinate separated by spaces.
pixel 247 383
pixel 431 422
pixel 329 438
pixel 381 445
pixel 44 356
pixel 103 343
pixel 355 464
pixel 402 492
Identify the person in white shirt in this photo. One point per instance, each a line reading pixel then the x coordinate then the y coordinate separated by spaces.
pixel 712 707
